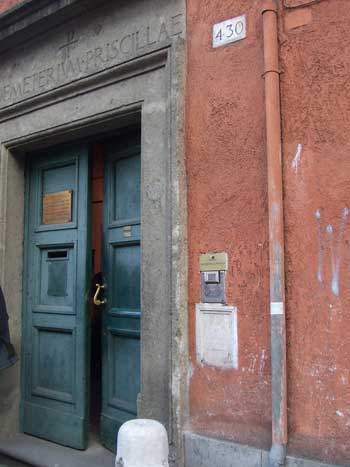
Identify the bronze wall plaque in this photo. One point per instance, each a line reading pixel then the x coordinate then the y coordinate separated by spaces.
pixel 213 262
pixel 57 207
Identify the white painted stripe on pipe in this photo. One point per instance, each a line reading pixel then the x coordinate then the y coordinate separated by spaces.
pixel 276 308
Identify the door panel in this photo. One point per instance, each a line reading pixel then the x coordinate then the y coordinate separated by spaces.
pixel 126 276
pixel 54 399
pixel 122 312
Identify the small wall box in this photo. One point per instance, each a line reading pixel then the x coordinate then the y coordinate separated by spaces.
pixel 216 335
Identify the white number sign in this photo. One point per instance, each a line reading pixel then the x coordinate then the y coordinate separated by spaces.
pixel 229 31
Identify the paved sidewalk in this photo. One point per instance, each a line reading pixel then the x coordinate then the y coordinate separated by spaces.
pixel 40 453
pixel 7 462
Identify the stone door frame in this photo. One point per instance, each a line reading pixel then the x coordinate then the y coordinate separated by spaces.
pixel 148 89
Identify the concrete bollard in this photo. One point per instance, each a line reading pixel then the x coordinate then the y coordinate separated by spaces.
pixel 142 443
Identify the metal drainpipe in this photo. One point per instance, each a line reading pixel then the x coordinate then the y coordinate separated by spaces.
pixel 277 455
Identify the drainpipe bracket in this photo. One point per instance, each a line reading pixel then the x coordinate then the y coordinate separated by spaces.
pixel 278 72
pixel 269 5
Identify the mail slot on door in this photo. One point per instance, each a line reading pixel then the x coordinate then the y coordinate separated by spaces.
pixel 213 267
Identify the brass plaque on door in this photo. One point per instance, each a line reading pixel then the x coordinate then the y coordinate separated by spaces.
pixel 57 207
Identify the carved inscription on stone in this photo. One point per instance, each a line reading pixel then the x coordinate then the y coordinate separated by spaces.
pixel 76 63
pixel 57 207
pixel 69 45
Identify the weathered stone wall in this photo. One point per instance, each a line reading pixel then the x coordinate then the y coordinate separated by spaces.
pixel 11 252
pixel 97 72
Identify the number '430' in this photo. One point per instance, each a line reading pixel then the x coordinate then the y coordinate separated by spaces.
pixel 229 31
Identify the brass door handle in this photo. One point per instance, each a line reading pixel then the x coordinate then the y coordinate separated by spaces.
pixel 97 301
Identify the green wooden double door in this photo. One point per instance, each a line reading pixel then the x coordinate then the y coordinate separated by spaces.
pixel 57 294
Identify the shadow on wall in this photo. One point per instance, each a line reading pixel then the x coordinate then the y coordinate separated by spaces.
pixel 8 373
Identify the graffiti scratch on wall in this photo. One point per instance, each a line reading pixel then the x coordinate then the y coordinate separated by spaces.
pixel 297 159
pixel 333 241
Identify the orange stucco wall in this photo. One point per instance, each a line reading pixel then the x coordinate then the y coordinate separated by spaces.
pixel 316 116
pixel 7 4
pixel 227 205
pixel 227 197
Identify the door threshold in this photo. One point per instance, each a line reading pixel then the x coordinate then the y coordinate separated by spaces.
pixel 40 453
